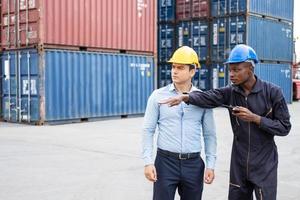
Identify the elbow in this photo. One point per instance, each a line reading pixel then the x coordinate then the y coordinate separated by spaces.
pixel 286 130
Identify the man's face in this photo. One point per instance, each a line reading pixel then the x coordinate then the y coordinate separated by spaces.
pixel 240 72
pixel 181 73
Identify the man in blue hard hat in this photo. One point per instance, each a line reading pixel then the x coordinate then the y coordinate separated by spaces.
pixel 258 112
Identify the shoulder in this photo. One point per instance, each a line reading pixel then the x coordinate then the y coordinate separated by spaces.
pixel 273 91
pixel 159 93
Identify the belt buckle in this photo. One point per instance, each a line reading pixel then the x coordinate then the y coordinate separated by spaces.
pixel 183 158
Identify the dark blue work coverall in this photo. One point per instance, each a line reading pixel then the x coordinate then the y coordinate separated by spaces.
pixel 254 158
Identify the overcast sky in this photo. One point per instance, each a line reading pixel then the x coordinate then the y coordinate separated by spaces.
pixel 297 27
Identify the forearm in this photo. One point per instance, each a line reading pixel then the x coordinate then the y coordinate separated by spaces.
pixel 275 127
pixel 207 99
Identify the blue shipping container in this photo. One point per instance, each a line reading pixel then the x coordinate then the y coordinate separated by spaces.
pixel 202 78
pixel 279 74
pixel 272 8
pixel 166 10
pixel 194 34
pixel 164 75
pixel 57 85
pixel 166 42
pixel 223 74
pixel 268 37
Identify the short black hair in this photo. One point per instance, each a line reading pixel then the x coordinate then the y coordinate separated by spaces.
pixel 192 66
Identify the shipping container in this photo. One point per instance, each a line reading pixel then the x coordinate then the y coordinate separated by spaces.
pixel 195 35
pixel 191 9
pixel 201 80
pixel 200 8
pixel 164 75
pixel 58 85
pixel 279 74
pixel 268 37
pixel 223 74
pixel 120 25
pixel 166 10
pixel 166 41
pixel 272 8
pixel 1 78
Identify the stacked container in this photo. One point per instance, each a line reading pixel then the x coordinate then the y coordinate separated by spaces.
pixel 267 26
pixel 76 60
pixel 187 25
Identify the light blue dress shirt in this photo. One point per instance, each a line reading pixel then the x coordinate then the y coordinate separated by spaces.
pixel 179 128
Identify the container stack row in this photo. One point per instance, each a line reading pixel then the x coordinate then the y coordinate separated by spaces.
pixel 267 26
pixel 76 60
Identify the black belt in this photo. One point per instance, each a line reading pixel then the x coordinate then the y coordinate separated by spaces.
pixel 179 156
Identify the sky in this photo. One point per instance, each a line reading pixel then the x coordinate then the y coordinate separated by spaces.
pixel 297 27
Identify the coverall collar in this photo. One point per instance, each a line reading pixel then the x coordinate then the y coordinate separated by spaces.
pixel 257 87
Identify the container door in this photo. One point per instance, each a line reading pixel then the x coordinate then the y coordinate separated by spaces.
pixel 10 82
pixel 20 77
pixel 29 82
pixel 8 35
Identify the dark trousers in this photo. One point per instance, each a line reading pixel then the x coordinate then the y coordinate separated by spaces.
pixel 184 175
pixel 262 177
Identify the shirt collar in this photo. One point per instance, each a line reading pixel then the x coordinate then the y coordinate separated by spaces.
pixel 172 88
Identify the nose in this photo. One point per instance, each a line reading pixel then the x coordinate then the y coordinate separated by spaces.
pixel 231 74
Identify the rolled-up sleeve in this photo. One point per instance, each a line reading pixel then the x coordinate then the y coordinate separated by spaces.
pixel 210 139
pixel 149 126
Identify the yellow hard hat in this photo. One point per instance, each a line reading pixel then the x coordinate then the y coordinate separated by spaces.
pixel 185 55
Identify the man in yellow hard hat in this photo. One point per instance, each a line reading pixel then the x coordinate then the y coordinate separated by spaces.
pixel 178 164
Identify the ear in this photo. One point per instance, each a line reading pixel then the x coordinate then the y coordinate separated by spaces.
pixel 192 72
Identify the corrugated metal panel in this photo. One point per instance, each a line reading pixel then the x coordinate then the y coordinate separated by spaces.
pixel 272 8
pixel 166 10
pixel 188 9
pixel 268 37
pixel 219 7
pixel 219 46
pixel 183 9
pixel 223 75
pixel 202 78
pixel 271 39
pixel 127 25
pixel 279 74
pixel 164 75
pixel 166 42
pixel 195 35
pixel 68 85
pixel 21 73
pixel 275 8
pixel 200 8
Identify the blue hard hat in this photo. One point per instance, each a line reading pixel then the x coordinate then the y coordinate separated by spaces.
pixel 242 53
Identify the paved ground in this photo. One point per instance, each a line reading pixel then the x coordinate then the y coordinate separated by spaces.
pixel 101 161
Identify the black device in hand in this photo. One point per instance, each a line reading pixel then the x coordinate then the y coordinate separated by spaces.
pixel 230 108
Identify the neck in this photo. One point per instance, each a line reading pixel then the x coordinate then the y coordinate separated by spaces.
pixel 184 87
pixel 249 84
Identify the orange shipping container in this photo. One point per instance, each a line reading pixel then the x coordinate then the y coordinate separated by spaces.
pixel 105 24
